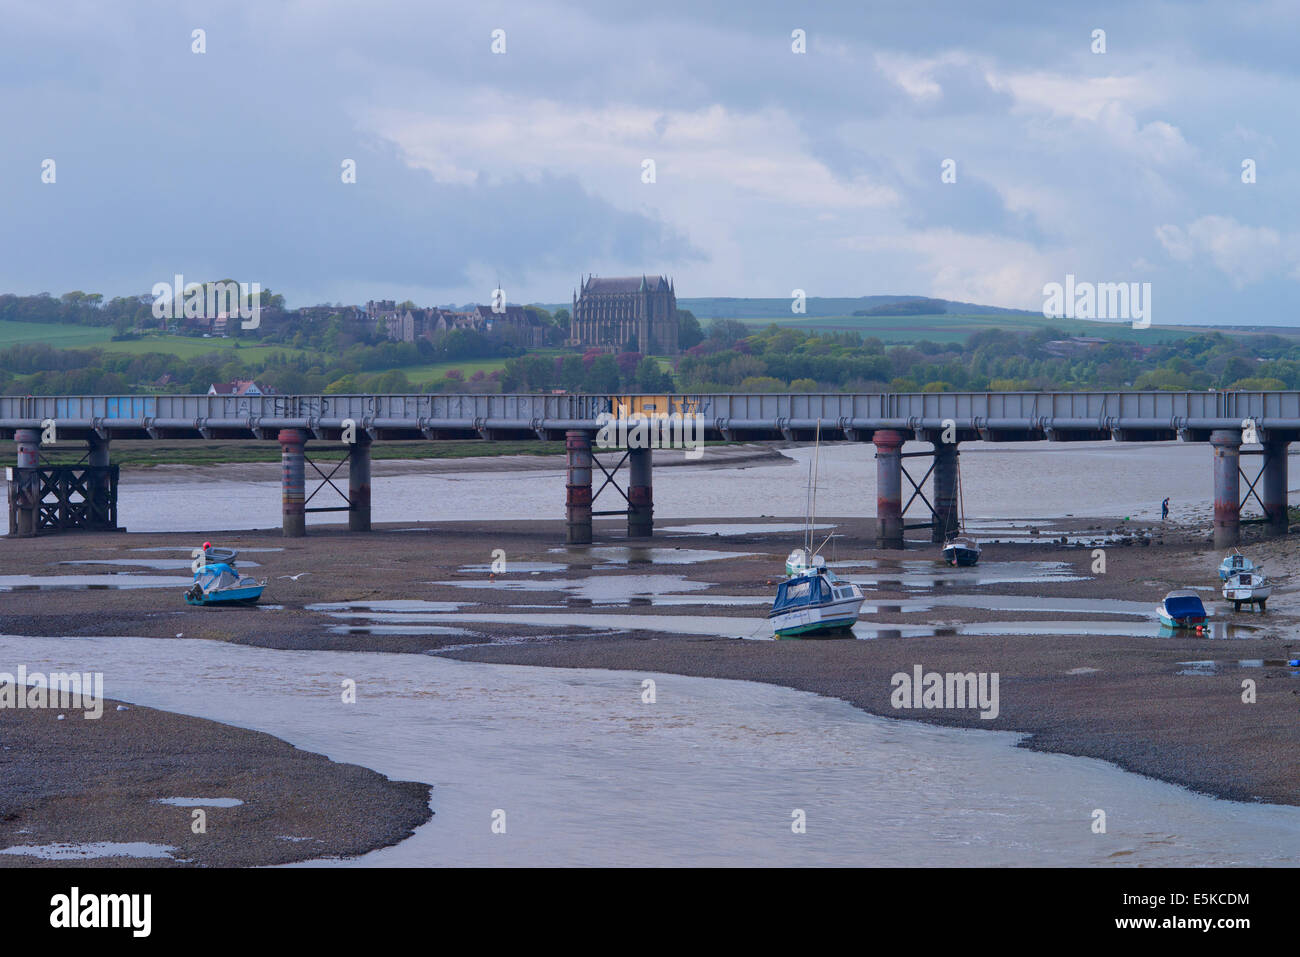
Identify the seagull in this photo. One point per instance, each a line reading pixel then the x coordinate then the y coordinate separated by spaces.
pixel 294 577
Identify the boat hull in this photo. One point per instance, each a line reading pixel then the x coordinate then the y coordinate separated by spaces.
pixel 1247 593
pixel 243 595
pixel 960 555
pixel 833 618
pixel 1248 589
pixel 1181 621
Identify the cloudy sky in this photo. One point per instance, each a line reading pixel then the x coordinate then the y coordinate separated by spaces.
pixel 774 170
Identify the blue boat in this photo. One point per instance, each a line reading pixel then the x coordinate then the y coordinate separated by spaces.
pixel 815 603
pixel 1181 609
pixel 812 601
pixel 1234 563
pixel 217 581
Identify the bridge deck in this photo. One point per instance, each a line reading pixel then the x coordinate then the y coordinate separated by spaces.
pixel 997 416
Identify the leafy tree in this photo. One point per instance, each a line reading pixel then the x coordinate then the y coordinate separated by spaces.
pixel 728 331
pixel 1259 384
pixel 689 333
pixel 601 377
pixel 651 378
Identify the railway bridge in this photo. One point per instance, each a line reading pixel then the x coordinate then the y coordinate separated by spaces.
pixel 1232 425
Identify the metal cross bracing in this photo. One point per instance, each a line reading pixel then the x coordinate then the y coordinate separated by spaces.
pixel 918 489
pixel 1252 485
pixel 328 479
pixel 68 497
pixel 611 480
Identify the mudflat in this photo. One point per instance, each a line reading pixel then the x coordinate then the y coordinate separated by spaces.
pixel 1084 668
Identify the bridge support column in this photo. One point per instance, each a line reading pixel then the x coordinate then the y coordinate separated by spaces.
pixel 293 482
pixel 1227 487
pixel 640 494
pixel 577 499
pixel 24 492
pixel 889 488
pixel 359 484
pixel 1275 498
pixel 98 457
pixel 945 491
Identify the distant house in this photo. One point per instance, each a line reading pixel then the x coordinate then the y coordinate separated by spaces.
pixel 409 325
pixel 238 387
pixel 1074 345
pixel 516 322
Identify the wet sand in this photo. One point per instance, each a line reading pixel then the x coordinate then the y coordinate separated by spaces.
pixel 720 456
pixel 85 781
pixel 1120 698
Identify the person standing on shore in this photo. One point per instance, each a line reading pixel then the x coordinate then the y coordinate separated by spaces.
pixel 1164 509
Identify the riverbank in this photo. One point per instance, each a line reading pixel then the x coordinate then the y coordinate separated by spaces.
pixel 1084 669
pixel 155 457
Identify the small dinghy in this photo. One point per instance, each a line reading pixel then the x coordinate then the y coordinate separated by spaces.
pixel 1234 563
pixel 1247 588
pixel 1181 609
pixel 217 581
pixel 961 550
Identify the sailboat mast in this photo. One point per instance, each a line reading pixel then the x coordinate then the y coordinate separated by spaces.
pixel 807 508
pixel 812 512
pixel 961 502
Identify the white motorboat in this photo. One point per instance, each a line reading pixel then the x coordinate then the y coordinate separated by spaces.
pixel 815 603
pixel 1247 588
pixel 812 601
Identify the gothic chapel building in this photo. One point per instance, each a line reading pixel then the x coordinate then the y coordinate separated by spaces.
pixel 636 311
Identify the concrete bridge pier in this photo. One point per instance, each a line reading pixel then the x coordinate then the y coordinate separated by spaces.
pixel 359 484
pixel 1227 486
pixel 577 498
pixel 293 482
pixel 889 488
pixel 945 515
pixel 1275 498
pixel 25 490
pixel 640 494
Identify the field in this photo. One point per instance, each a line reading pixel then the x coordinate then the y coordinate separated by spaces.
pixel 434 372
pixel 54 334
pixel 957 328
pixel 66 336
pixel 187 347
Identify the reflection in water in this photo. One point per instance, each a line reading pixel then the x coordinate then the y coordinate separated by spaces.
pixel 1204 668
pixel 115 581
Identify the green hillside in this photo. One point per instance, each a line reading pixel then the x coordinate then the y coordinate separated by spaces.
pixel 957 328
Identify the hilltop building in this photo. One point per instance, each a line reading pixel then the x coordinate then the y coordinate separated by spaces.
pixel 239 387
pixel 408 325
pixel 616 313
